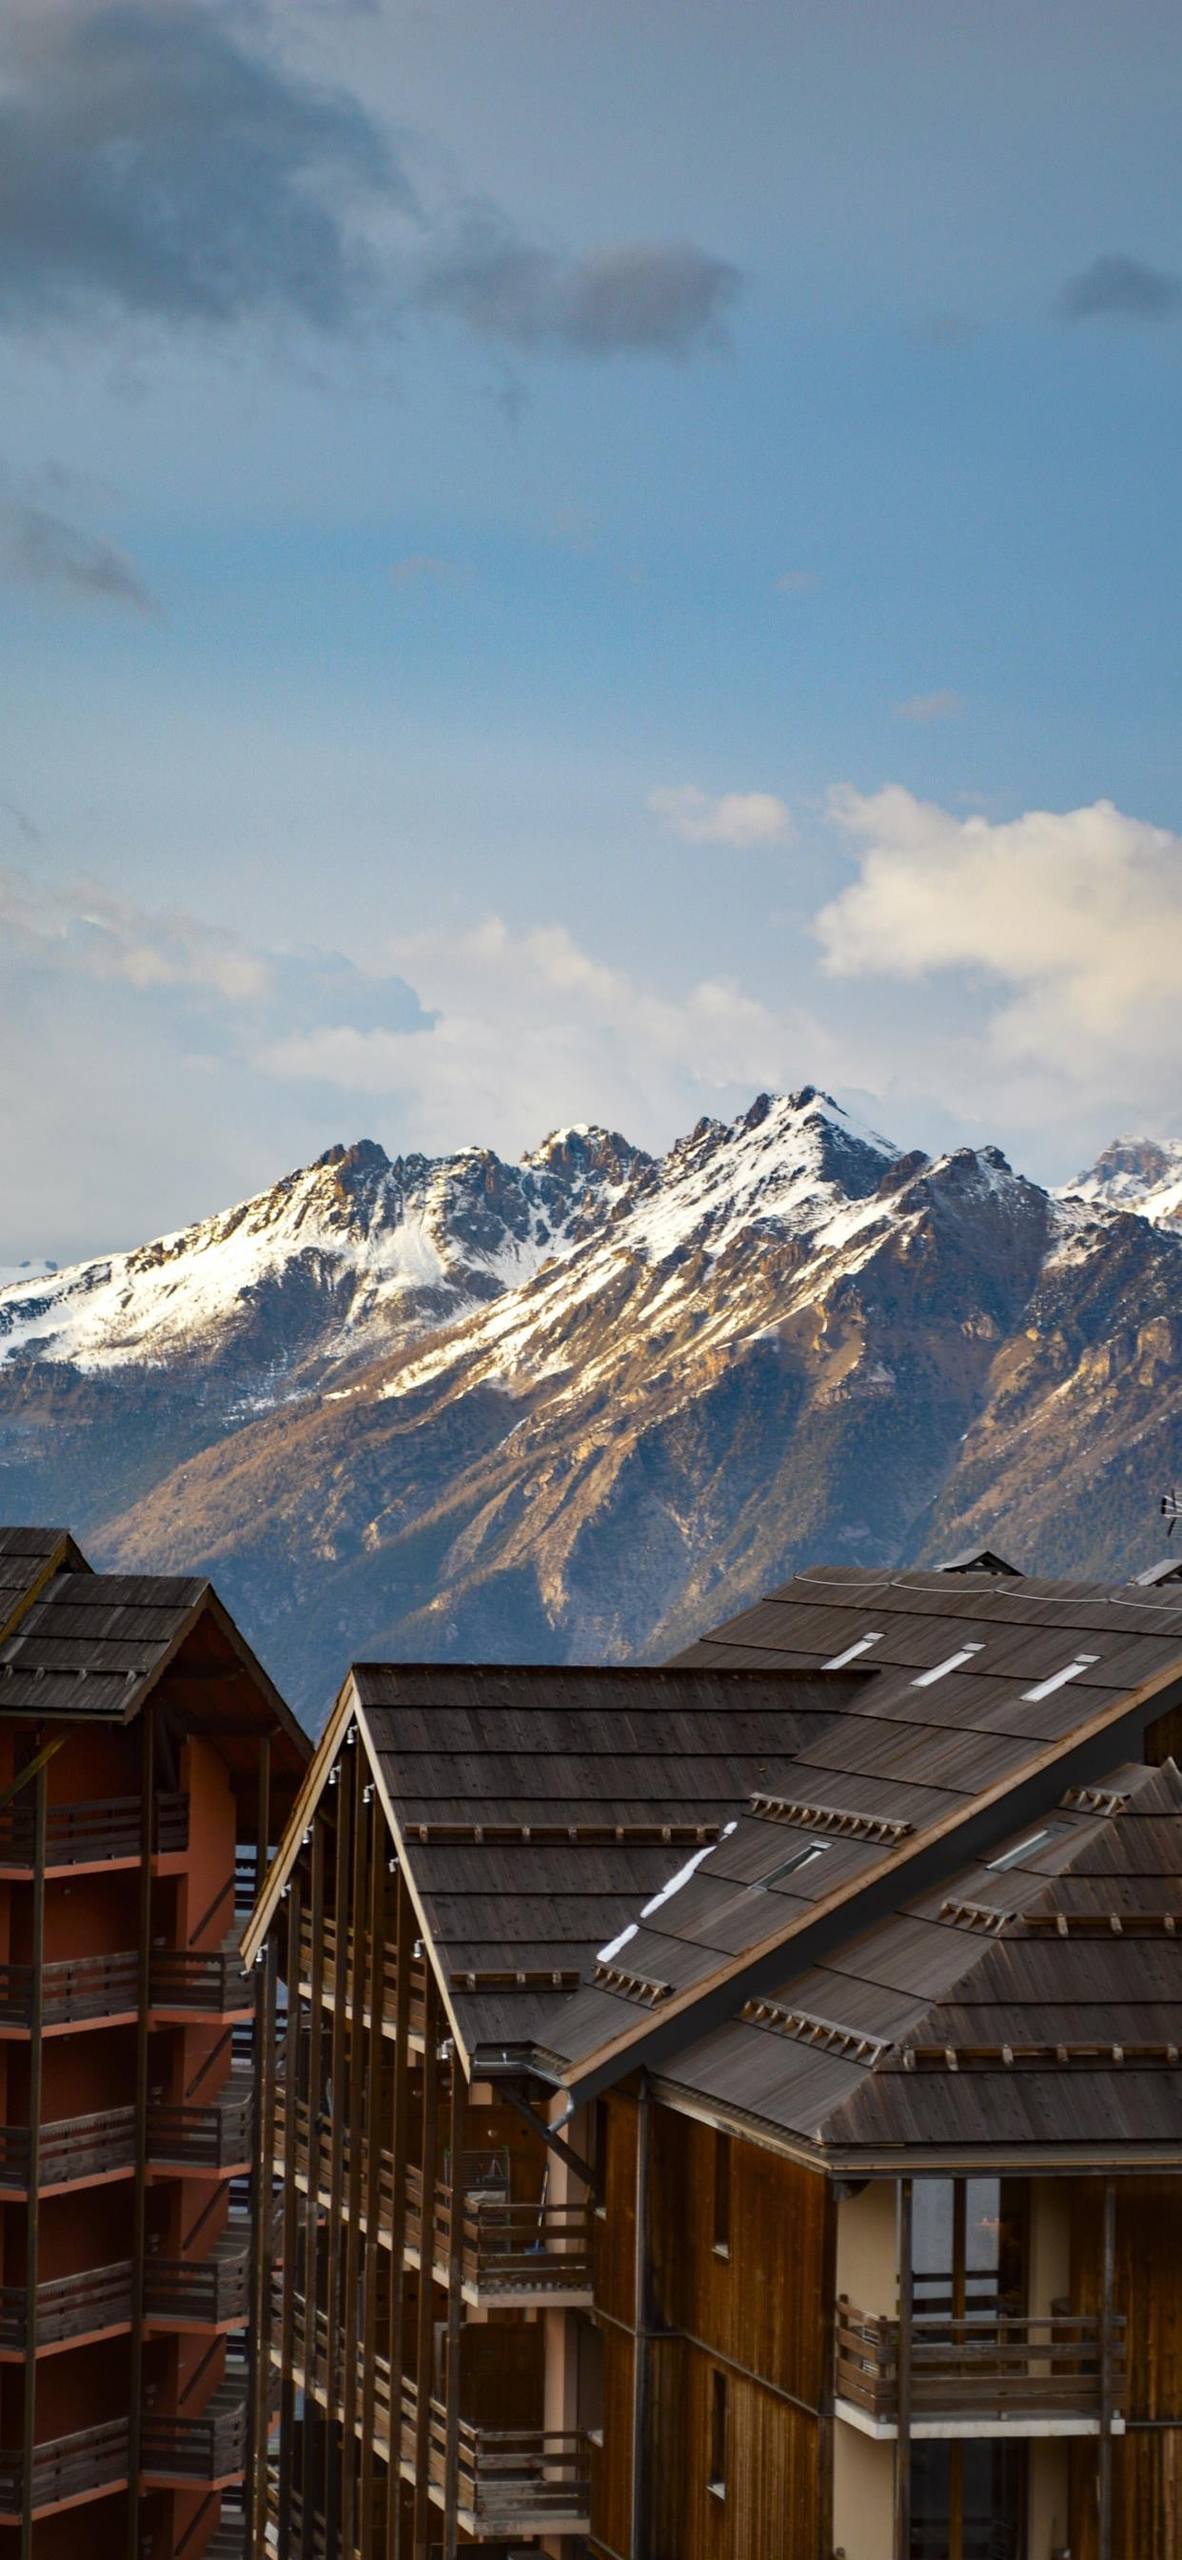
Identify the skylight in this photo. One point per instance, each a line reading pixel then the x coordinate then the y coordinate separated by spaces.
pixel 805 1857
pixel 1059 1679
pixel 1026 1848
pixel 951 1662
pixel 852 1651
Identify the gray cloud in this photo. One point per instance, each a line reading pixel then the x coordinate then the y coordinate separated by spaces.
pixel 153 164
pixel 149 162
pixel 1116 287
pixel 39 549
pixel 660 299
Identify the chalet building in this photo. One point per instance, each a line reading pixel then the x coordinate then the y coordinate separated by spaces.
pixel 144 1759
pixel 733 2111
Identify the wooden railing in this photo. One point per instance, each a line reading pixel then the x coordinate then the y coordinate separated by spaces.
pixel 68 2307
pixel 209 2447
pixel 202 2291
pixel 986 2365
pixel 74 1988
pixel 79 2148
pixel 68 2467
pixel 88 1834
pixel 209 1982
pixel 212 2137
pixel 359 1992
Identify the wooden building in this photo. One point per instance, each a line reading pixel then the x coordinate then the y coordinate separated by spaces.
pixel 733 2111
pixel 144 1758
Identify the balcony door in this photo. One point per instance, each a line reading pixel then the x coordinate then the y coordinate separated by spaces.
pixel 968 2270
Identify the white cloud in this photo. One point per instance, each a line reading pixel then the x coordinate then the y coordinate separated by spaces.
pixel 923 707
pixel 81 930
pixel 531 1030
pixel 741 819
pixel 1075 916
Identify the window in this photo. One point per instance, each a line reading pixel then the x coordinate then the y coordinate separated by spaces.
pixel 717 2480
pixel 852 1651
pixel 951 1662
pixel 1026 1848
pixel 791 1866
pixel 1059 1679
pixel 722 2194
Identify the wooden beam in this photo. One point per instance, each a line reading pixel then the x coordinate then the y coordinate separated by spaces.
pixel 139 2245
pixel 291 2208
pixel 310 2425
pixel 262 2251
pixel 425 2339
pixel 33 2217
pixel 903 2376
pixel 455 2308
pixel 378 1899
pixel 400 2135
pixel 1107 2294
pixel 263 1831
pixel 638 2541
pixel 344 1996
pixel 584 2170
pixel 365 1990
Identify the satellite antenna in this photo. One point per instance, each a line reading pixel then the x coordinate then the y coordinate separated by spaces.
pixel 1171 1510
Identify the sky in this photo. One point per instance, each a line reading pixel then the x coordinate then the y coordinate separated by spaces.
pixel 566 561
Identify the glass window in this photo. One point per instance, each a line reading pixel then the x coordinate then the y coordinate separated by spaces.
pixel 718 2433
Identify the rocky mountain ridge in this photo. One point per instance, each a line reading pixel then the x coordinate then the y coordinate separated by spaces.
pixel 587 1404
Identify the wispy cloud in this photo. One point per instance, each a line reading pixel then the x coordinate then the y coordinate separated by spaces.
pixel 1117 287
pixel 741 819
pixel 795 582
pixel 41 549
pixel 638 298
pixel 923 707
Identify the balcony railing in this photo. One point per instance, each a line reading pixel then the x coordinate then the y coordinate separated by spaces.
pixel 205 2448
pixel 215 2137
pixel 98 2298
pixel 73 2152
pixel 92 1834
pixel 211 1983
pixel 984 2366
pixel 359 1992
pixel 512 2252
pixel 75 2466
pixel 202 2293
pixel 73 1989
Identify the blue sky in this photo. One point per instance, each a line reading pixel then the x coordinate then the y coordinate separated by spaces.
pixel 565 561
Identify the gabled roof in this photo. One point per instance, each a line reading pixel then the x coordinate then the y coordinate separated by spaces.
pixel 28 1560
pixel 1029 2005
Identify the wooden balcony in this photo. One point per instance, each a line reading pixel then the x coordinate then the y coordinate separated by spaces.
pixel 309 2530
pixel 202 2293
pixel 67 2470
pixel 75 1991
pixel 1036 2374
pixel 359 1993
pixel 94 2303
pixel 103 1833
pixel 213 2140
pixel 206 2449
pixel 193 1983
pixel 519 2252
pixel 76 2152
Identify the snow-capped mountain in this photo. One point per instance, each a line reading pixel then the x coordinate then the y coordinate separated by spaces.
pixel 1141 1174
pixel 587 1403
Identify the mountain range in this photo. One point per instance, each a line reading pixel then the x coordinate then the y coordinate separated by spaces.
pixel 586 1404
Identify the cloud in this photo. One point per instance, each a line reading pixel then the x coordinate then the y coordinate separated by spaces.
pixel 1117 287
pixel 635 299
pixel 1075 917
pixel 923 707
pixel 518 1016
pixel 795 582
pixel 154 164
pixel 741 819
pixel 149 163
pixel 40 549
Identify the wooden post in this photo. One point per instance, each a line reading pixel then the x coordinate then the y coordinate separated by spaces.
pixel 262 2251
pixel 455 2309
pixel 263 1834
pixel 343 1983
pixel 33 2219
pixel 361 1979
pixel 378 1900
pixel 1104 2469
pixel 903 2378
pixel 425 2342
pixel 825 2419
pixel 638 2541
pixel 291 2203
pixel 139 2246
pixel 404 1942
pixel 311 2265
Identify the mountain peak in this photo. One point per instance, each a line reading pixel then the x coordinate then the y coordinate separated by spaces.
pixel 1134 1173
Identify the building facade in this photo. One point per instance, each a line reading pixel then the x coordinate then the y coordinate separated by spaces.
pixel 733 2112
pixel 145 1761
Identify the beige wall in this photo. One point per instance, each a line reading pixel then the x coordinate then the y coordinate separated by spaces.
pixel 867 2248
pixel 863 2496
pixel 1050 2243
pixel 1047 2524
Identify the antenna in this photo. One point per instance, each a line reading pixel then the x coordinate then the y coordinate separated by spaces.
pixel 1171 1510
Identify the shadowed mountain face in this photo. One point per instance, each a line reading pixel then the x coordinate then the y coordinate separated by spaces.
pixel 587 1404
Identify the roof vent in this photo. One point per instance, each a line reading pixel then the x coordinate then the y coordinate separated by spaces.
pixel 1168 1570
pixel 981 1560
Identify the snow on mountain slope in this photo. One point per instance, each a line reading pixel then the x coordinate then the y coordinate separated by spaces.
pixel 1142 1174
pixel 365 1245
